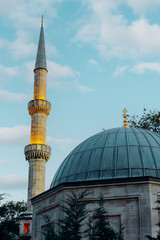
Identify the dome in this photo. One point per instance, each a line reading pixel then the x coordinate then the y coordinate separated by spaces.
pixel 112 154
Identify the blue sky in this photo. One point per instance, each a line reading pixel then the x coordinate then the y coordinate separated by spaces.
pixel 102 56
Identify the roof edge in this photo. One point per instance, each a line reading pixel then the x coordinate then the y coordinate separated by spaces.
pixel 94 183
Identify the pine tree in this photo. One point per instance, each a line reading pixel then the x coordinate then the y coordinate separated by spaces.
pixel 158 232
pixel 91 228
pixel 120 235
pixel 48 229
pixel 75 213
pixel 151 238
pixel 102 228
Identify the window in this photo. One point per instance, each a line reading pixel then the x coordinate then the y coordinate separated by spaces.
pixel 26 227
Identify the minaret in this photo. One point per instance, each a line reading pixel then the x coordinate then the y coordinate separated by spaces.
pixel 37 152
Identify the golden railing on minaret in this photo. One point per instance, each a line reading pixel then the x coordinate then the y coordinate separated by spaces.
pixel 37 152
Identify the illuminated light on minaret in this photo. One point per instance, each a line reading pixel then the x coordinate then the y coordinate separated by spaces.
pixel 37 152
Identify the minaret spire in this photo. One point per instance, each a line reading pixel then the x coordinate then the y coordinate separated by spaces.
pixel 41 53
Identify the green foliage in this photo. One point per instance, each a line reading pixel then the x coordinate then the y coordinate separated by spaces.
pixel 100 227
pixel 150 120
pixel 75 213
pixel 120 235
pixel 9 218
pixel 91 228
pixel 48 229
pixel 25 238
pixel 73 223
pixel 150 238
pixel 158 232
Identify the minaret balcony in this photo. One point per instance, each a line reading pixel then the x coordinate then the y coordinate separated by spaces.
pixel 38 106
pixel 37 151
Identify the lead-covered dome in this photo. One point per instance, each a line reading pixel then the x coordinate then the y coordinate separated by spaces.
pixel 111 154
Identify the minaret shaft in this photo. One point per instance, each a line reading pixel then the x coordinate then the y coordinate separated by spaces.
pixel 37 153
pixel 36 180
pixel 38 121
pixel 40 84
pixel 38 128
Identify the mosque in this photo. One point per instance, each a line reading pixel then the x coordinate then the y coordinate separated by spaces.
pixel 121 163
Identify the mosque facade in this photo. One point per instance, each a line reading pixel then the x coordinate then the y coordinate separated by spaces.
pixel 121 163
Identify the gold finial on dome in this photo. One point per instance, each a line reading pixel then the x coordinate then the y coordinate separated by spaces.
pixel 125 118
pixel 42 20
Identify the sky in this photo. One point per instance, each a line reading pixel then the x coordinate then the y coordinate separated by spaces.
pixel 102 56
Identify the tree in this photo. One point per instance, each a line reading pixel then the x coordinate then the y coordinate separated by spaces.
pixel 158 234
pixel 91 228
pixel 75 213
pixel 150 120
pixel 101 226
pixel 120 235
pixel 9 218
pixel 150 238
pixel 48 229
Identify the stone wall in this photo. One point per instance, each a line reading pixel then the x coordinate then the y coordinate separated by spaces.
pixel 132 204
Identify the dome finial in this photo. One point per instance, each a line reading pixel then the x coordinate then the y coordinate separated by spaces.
pixel 42 20
pixel 125 118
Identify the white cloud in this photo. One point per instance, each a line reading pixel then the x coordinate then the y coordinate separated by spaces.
pixel 113 36
pixel 13 97
pixel 70 85
pixel 57 71
pixel 7 73
pixel 139 68
pixel 59 76
pixel 28 68
pixel 143 6
pixel 120 70
pixel 17 135
pixel 63 144
pixel 144 66
pixel 20 48
pixel 51 50
pixel 83 89
pixel 23 46
pixel 13 182
pixel 3 42
pixel 2 162
pixel 94 63
pixel 25 16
